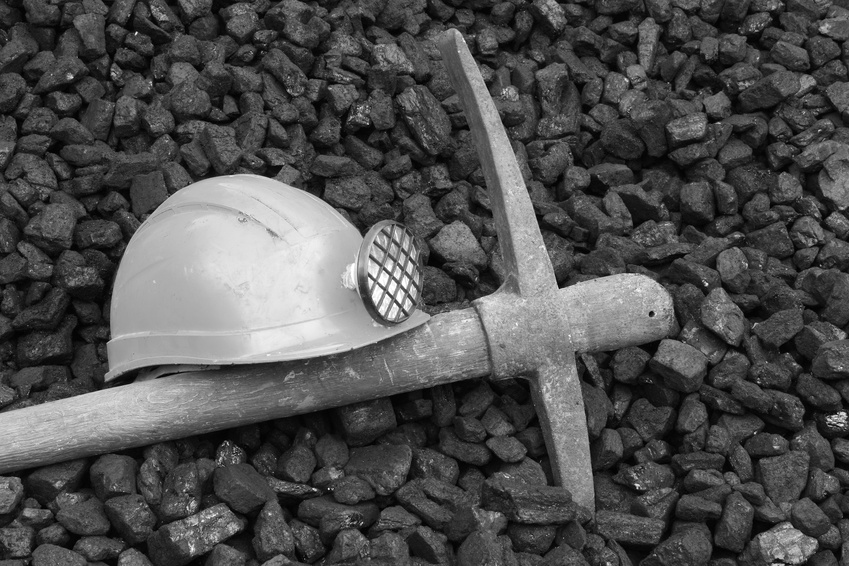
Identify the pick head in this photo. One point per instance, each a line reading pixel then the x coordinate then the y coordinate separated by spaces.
pixel 528 266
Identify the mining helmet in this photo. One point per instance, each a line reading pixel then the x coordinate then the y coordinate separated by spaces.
pixel 243 269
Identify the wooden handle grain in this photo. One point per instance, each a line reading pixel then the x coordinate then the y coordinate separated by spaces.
pixel 449 347
pixel 616 311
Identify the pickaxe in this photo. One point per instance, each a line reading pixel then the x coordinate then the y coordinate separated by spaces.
pixel 528 328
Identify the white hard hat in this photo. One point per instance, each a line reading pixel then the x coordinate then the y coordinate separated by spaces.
pixel 244 269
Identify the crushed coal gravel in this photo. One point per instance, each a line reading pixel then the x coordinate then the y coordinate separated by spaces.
pixel 702 143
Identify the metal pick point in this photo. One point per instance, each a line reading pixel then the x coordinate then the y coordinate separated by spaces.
pixel 547 357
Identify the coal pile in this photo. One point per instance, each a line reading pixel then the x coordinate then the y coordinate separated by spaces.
pixel 703 143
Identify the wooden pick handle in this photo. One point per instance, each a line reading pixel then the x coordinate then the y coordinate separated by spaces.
pixel 449 347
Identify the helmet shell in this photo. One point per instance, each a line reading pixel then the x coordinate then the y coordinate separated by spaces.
pixel 239 269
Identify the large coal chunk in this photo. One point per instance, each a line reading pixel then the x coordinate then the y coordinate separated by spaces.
pixel 689 545
pixel 292 78
pixel 219 143
pixel 273 535
pixel 242 487
pixel 73 274
pixel 53 228
pixel 769 91
pixel 147 191
pixel 331 517
pixel 45 483
pixel 298 23
pixel 735 526
pixel 630 529
pixel 832 360
pixel 384 467
pixel 784 477
pixel 53 555
pixel 723 317
pixel 682 366
pixel 131 517
pixel 180 492
pixel 456 242
pixel 11 494
pixel 17 542
pixel 782 543
pixel 426 118
pixel 621 139
pixel 526 503
pixel 362 423
pixel 113 475
pixel 178 543
pixel 46 314
pixel 44 347
pixel 86 518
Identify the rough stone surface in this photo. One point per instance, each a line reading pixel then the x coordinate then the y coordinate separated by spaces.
pixel 241 487
pixel 734 528
pixel 273 535
pixel 630 529
pixel 832 360
pixel 362 423
pixel 723 317
pixel 51 554
pixel 682 366
pixel 806 516
pixel 385 467
pixel 47 482
pixel 425 117
pixel 781 543
pixel 131 517
pixel 181 492
pixel 784 477
pixel 455 242
pixel 526 503
pixel 11 494
pixel 687 546
pixel 179 542
pixel 85 518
